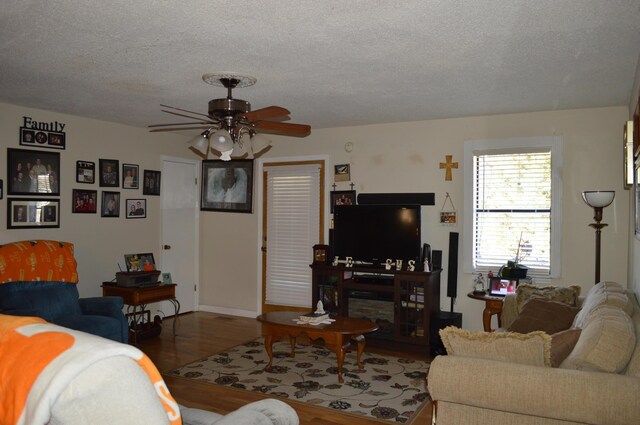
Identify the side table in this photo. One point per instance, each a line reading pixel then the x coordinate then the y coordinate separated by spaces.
pixel 492 306
pixel 137 299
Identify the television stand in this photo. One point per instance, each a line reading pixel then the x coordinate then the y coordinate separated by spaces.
pixel 400 302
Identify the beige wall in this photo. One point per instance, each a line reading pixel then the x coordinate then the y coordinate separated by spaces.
pixel 401 157
pixel 405 157
pixel 100 242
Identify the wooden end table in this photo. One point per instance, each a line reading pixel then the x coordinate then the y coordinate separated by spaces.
pixel 337 336
pixel 492 306
pixel 137 299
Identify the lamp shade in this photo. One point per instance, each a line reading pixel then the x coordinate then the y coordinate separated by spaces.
pixel 221 140
pixel 200 142
pixel 259 144
pixel 598 198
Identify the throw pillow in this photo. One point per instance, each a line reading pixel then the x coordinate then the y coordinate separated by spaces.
pixel 606 343
pixel 562 344
pixel 531 349
pixel 565 295
pixel 541 314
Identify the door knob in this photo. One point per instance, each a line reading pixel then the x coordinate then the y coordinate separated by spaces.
pixel 167 247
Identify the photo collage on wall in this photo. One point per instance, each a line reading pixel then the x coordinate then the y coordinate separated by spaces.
pixel 33 184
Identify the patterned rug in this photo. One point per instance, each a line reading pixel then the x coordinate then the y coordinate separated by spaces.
pixel 387 387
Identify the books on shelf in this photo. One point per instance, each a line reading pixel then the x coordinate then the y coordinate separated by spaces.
pixel 313 318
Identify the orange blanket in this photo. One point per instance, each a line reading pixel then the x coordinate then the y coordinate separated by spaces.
pixel 39 360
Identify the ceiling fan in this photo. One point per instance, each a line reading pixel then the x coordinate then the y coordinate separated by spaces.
pixel 231 128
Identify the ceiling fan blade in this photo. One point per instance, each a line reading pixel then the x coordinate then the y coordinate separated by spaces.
pixel 177 123
pixel 265 113
pixel 200 127
pixel 186 116
pixel 286 129
pixel 184 110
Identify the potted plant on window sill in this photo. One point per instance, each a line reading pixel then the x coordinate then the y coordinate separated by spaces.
pixel 513 269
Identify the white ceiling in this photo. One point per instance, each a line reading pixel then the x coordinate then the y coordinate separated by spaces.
pixel 331 63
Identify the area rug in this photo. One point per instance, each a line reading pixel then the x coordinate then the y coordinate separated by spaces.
pixel 387 387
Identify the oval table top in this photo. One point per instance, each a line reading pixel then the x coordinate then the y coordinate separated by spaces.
pixel 342 325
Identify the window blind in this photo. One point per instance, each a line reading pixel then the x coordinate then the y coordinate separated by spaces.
pixel 512 211
pixel 293 222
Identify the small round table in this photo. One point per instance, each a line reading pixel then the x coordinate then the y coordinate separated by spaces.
pixel 493 305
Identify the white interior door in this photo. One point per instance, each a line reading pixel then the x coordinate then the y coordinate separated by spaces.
pixel 179 239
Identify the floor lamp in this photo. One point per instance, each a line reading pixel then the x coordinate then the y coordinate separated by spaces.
pixel 598 200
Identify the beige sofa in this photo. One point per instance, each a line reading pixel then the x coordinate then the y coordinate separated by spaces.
pixel 598 383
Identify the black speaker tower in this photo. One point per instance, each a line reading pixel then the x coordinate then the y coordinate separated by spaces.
pixel 452 272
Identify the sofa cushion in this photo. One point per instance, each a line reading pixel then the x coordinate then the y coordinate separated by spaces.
pixel 541 314
pixel 603 294
pixel 51 300
pixel 606 343
pixel 562 344
pixel 531 349
pixel 565 295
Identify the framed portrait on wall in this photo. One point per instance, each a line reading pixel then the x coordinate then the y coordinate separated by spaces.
pixel 136 208
pixel 109 173
pixel 342 197
pixel 85 172
pixel 84 201
pixel 23 213
pixel 110 206
pixel 151 183
pixel 227 185
pixel 130 176
pixel 31 172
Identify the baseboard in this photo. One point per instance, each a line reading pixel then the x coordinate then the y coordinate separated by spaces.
pixel 229 311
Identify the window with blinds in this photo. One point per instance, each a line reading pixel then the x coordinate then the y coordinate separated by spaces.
pixel 514 212
pixel 293 223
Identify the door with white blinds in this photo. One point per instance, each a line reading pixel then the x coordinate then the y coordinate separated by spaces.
pixel 292 224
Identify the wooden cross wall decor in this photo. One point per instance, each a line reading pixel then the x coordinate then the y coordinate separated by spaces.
pixel 449 164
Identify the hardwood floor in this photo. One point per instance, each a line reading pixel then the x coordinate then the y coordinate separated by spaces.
pixel 201 334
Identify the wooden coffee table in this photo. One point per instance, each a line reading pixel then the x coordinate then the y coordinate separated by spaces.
pixel 337 336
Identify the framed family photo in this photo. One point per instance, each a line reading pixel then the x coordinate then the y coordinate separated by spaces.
pixel 43 139
pixel 110 204
pixel 151 185
pixel 34 213
pixel 136 208
pixel 129 176
pixel 140 262
pixel 109 173
pixel 84 201
pixel 227 185
pixel 32 172
pixel 85 172
pixel 342 197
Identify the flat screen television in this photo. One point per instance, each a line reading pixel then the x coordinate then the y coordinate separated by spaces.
pixel 373 233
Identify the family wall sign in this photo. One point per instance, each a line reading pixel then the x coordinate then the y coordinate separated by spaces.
pixel 43 134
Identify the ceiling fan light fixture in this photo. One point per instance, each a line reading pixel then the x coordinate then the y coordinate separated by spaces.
pixel 259 144
pixel 200 143
pixel 221 140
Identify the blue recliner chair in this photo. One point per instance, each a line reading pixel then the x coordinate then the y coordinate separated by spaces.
pixel 39 278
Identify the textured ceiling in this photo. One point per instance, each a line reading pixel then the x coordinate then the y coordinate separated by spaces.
pixel 331 63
